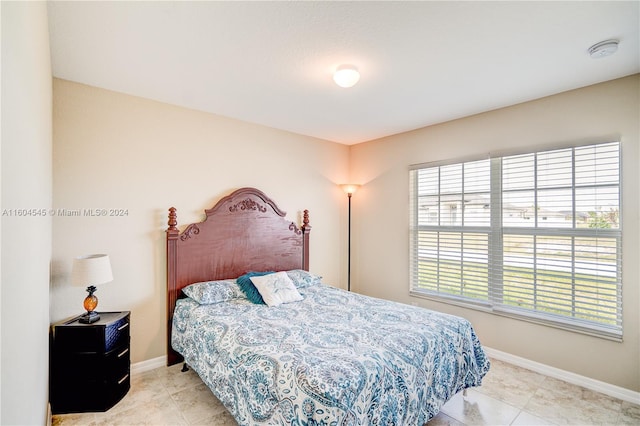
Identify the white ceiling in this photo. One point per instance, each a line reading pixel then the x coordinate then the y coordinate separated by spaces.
pixel 271 63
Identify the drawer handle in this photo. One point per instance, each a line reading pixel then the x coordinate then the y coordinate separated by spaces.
pixel 122 327
pixel 123 352
pixel 123 379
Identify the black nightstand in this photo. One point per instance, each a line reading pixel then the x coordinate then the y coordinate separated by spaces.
pixel 89 368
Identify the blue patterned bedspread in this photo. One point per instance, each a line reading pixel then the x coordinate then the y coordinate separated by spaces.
pixel 335 358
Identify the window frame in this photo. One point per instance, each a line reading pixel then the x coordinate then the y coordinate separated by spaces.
pixel 496 231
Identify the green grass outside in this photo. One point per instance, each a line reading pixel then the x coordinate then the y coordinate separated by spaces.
pixel 554 292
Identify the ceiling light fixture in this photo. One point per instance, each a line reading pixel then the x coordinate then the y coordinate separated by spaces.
pixel 604 48
pixel 346 76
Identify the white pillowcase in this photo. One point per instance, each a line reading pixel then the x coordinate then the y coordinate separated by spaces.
pixel 276 288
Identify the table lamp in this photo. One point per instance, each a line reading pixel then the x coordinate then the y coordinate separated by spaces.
pixel 91 270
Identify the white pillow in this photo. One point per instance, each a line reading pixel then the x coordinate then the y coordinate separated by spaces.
pixel 276 288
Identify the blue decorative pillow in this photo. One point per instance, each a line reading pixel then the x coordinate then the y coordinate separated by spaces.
pixel 302 278
pixel 250 290
pixel 214 291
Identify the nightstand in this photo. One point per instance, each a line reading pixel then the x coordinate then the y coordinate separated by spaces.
pixel 89 368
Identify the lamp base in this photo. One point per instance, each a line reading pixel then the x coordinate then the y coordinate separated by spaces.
pixel 89 317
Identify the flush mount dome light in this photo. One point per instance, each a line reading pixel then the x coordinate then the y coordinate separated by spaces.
pixel 604 48
pixel 346 76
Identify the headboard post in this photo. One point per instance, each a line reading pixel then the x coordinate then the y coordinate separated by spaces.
pixel 306 229
pixel 172 288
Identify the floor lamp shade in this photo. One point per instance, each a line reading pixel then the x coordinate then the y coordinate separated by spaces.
pixel 90 271
pixel 350 188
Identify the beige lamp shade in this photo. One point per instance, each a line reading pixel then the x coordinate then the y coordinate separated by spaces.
pixel 91 270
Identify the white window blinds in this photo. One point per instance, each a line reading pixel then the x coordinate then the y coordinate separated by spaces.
pixel 536 235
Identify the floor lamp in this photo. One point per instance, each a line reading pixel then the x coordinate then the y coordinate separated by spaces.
pixel 350 189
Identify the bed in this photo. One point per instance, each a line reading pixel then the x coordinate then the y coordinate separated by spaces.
pixel 325 356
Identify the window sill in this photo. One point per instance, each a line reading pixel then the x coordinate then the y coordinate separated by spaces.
pixel 602 332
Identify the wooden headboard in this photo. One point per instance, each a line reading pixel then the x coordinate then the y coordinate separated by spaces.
pixel 245 231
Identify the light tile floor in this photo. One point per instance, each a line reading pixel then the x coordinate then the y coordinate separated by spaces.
pixel 509 395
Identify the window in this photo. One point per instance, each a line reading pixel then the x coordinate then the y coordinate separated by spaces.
pixel 536 236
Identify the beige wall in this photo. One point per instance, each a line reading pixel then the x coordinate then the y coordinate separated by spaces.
pixel 116 151
pixel 381 216
pixel 26 240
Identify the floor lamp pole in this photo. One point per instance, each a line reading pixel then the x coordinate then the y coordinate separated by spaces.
pixel 349 189
pixel 349 249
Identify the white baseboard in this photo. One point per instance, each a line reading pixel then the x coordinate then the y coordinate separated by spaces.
pixel 150 364
pixel 49 421
pixel 576 379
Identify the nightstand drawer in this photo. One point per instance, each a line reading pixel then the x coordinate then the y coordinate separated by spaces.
pixel 118 364
pixel 74 368
pixel 112 330
pixel 92 396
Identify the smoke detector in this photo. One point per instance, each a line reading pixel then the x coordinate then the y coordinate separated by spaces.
pixel 604 48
